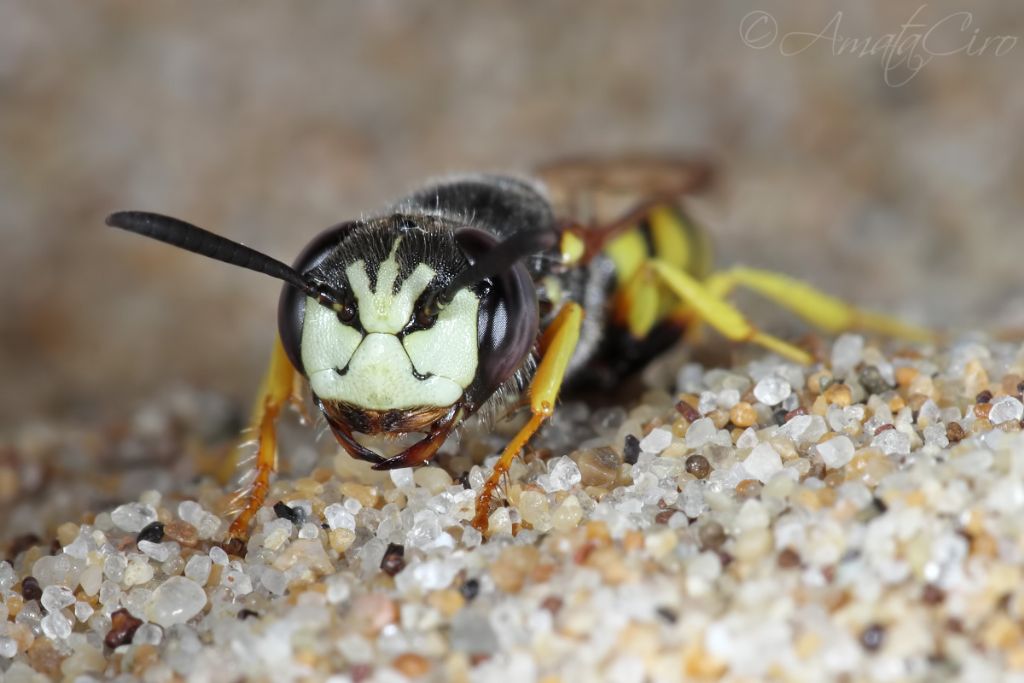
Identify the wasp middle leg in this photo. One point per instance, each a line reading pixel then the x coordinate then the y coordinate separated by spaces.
pixel 719 314
pixel 821 310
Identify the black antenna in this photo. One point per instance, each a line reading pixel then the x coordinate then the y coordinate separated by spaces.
pixel 502 257
pixel 184 235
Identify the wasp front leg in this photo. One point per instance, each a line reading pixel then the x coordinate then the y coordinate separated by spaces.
pixel 557 345
pixel 277 389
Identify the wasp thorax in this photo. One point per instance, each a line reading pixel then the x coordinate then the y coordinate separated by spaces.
pixel 390 345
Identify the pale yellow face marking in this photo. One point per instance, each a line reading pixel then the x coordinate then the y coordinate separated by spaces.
pixel 383 310
pixel 379 366
pixel 379 377
pixel 449 348
pixel 326 343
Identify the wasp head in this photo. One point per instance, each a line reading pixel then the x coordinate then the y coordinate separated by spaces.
pixel 404 336
pixel 387 343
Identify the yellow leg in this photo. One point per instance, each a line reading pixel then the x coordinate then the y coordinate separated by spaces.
pixel 557 345
pixel 275 391
pixel 817 308
pixel 720 314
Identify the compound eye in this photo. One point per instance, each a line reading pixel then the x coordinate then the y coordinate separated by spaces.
pixel 508 321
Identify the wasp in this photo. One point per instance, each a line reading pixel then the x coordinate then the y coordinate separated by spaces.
pixel 477 290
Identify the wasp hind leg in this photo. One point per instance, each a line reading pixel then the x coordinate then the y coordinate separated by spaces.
pixel 821 310
pixel 719 314
pixel 557 345
pixel 276 390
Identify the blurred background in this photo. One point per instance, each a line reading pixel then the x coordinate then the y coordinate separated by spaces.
pixel 891 178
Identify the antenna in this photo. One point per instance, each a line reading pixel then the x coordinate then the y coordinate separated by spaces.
pixel 502 257
pixel 192 238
